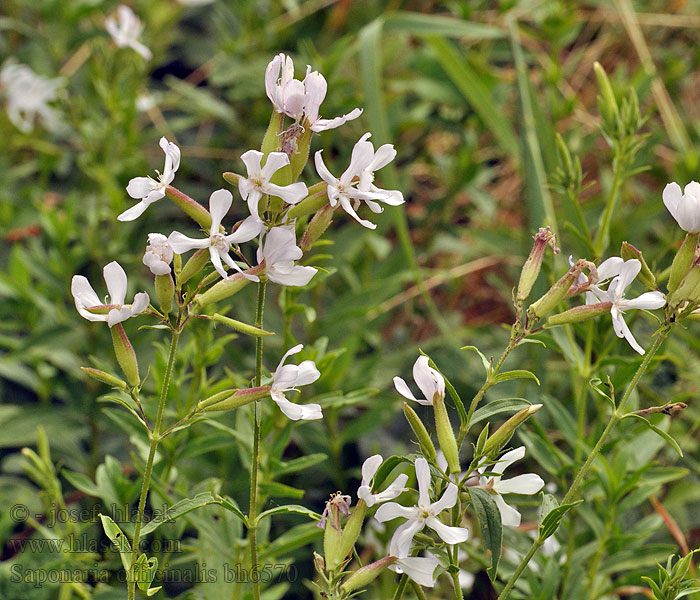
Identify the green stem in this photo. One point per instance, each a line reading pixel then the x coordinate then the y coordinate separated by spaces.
pixel 252 511
pixel 401 587
pixel 155 438
pixel 615 418
pixel 602 237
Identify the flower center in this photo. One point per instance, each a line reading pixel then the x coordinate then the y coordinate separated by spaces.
pixel 218 241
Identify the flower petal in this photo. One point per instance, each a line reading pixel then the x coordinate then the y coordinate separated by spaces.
pixel 423 478
pixel 430 382
pixel 527 484
pixel 274 162
pixel 509 516
pixel 180 243
pixel 647 301
pixel 369 468
pixel 115 278
pixel 393 510
pixel 448 500
pixel 140 187
pixel 326 124
pixel 219 204
pixel 291 194
pixel 419 569
pixel 250 228
pixel 296 412
pixel 252 159
pixel 450 535
pixel 402 540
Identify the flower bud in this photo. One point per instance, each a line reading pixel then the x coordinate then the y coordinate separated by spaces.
pixel 502 435
pixel 531 268
pixel 105 377
pixel 240 326
pixel 606 101
pixel 319 563
pixel 298 150
pixel 230 399
pixel 445 434
pixel 126 357
pixel 165 291
pixel 315 201
pixel 193 266
pixel 424 441
pixel 227 287
pixel 336 508
pixel 558 291
pixel 318 225
pixel 646 277
pixel 682 261
pixel 272 140
pixel 579 314
pixel 366 575
pixel 192 208
pixel 688 288
pixel 352 529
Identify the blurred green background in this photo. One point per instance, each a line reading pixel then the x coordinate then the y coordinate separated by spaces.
pixel 470 94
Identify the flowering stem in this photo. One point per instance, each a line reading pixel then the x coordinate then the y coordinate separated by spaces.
pixel 401 587
pixel 155 438
pixel 615 418
pixel 252 512
pixel 602 237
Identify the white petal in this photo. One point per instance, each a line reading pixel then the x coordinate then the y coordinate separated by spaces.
pixel 527 484
pixel 507 459
pixel 672 197
pixel 307 373
pixel 180 243
pixel 250 228
pixel 118 315
pixel 509 516
pixel 115 278
pixel 429 381
pixel 85 296
pixel 296 412
pixel 140 303
pixel 369 468
pixel 365 493
pixel 450 535
pixel 397 487
pixel 402 540
pixel 140 187
pixel 647 301
pixel 291 194
pixel 326 124
pixel 448 500
pixel 215 256
pixel 347 207
pixel 275 161
pixel 134 212
pixel 295 276
pixel 219 204
pixel 382 157
pixel 622 330
pixel 294 350
pixel 423 478
pixel 323 171
pixel 610 268
pixel 419 569
pixel 393 510
pixel 629 270
pixel 252 159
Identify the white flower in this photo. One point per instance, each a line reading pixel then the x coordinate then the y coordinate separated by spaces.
pixel 158 255
pixel 300 98
pixel 527 484
pixel 258 181
pixel 287 378
pixel 315 88
pixel 424 513
pixel 147 189
pixel 126 29
pixel 286 93
pixel 349 192
pixel 430 382
pixel 116 311
pixel 28 95
pixel 685 207
pixel 608 269
pixel 218 242
pixel 369 470
pixel 420 569
pixel 616 294
pixel 279 251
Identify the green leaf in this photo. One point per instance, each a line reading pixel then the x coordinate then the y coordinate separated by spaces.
pixel 280 490
pixel 294 538
pixel 299 464
pixel 475 91
pixel 489 517
pixel 229 505
pixel 80 482
pixel 453 394
pixel 178 509
pixel 551 520
pixel 484 360
pixel 498 406
pixel 295 508
pixel 421 24
pixel 144 572
pixel 118 538
pixel 658 431
pixel 517 374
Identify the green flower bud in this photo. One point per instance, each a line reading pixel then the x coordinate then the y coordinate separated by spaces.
pixel 424 441
pixel 240 326
pixel 227 287
pixel 126 357
pixel 688 289
pixel 318 225
pixel 272 140
pixel 298 150
pixel 558 291
pixel 445 434
pixel 192 208
pixel 336 508
pixel 230 399
pixel 606 101
pixel 193 266
pixel 502 435
pixel 352 529
pixel 165 291
pixel 366 575
pixel 531 268
pixel 579 314
pixel 105 377
pixel 682 261
pixel 646 277
pixel 315 201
